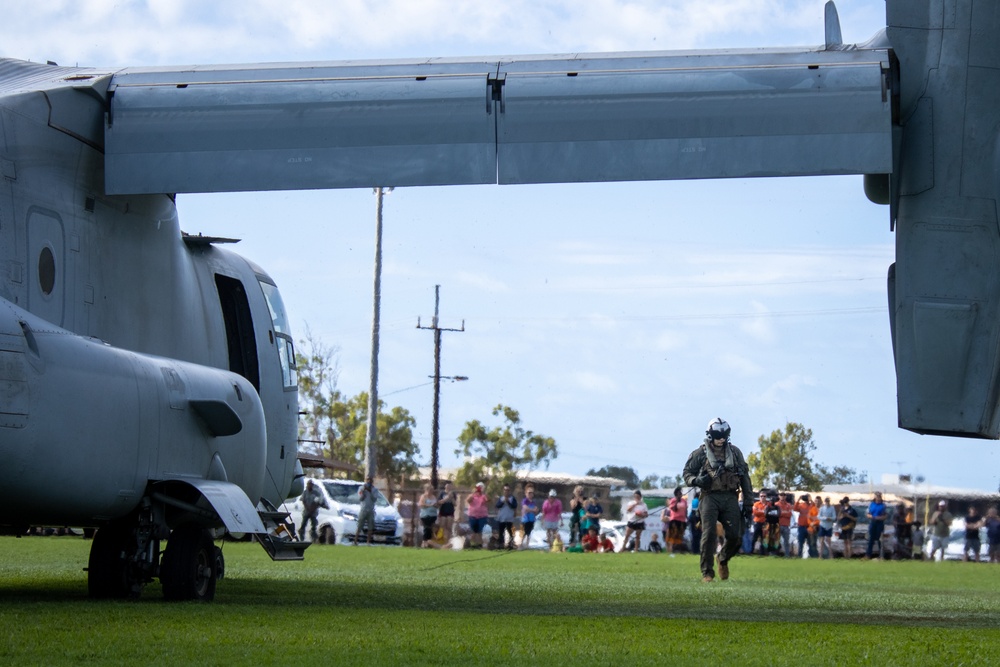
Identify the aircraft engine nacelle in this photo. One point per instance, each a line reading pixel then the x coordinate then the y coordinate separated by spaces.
pixel 944 289
pixel 132 419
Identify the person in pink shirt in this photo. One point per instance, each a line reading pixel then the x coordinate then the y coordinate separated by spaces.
pixel 678 509
pixel 552 516
pixel 478 512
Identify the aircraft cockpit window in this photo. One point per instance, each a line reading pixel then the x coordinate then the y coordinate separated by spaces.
pixel 277 307
pixel 282 335
pixel 286 353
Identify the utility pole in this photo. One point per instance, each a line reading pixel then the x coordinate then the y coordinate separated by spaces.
pixel 437 382
pixel 371 435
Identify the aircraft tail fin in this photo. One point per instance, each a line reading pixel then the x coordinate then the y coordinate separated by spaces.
pixel 834 38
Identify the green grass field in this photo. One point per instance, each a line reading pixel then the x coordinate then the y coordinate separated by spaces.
pixel 388 606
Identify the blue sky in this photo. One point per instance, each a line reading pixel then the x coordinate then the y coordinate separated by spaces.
pixel 617 318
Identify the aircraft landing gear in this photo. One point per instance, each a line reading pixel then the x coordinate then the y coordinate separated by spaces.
pixel 107 566
pixel 122 559
pixel 190 565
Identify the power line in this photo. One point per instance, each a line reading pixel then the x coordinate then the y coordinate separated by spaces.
pixel 400 391
pixel 768 283
pixel 862 310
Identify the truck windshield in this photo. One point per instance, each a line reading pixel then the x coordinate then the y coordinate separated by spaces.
pixel 347 494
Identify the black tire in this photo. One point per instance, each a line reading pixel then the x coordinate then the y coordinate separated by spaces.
pixel 327 535
pixel 220 564
pixel 189 569
pixel 107 571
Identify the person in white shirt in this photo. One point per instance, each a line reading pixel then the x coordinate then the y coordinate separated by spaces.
pixel 635 520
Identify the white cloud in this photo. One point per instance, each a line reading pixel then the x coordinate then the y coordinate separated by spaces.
pixel 781 391
pixel 735 364
pixel 761 328
pixel 482 282
pixel 118 33
pixel 594 382
pixel 594 254
pixel 669 341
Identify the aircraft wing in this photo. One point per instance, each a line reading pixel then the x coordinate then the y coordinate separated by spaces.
pixel 536 119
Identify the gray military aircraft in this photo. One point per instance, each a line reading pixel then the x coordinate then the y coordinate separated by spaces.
pixel 147 377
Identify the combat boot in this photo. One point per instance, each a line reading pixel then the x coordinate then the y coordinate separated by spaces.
pixel 723 569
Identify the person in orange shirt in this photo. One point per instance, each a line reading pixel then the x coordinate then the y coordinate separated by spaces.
pixel 759 512
pixel 785 523
pixel 814 527
pixel 803 506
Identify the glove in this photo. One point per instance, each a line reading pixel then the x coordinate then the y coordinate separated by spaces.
pixel 747 512
pixel 703 481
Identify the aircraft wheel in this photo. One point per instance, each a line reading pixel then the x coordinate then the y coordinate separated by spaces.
pixel 327 535
pixel 107 571
pixel 220 564
pixel 189 568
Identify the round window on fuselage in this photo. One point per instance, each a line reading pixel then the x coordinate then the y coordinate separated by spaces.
pixel 46 270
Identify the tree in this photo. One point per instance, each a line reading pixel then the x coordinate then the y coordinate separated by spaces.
pixel 624 473
pixel 840 475
pixel 395 450
pixel 498 454
pixel 318 371
pixel 785 462
pixel 338 425
pixel 671 482
pixel 649 482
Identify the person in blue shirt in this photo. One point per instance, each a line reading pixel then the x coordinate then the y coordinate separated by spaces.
pixel 592 514
pixel 992 523
pixel 876 518
pixel 694 520
pixel 529 511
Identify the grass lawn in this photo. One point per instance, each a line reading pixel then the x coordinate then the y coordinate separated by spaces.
pixel 388 606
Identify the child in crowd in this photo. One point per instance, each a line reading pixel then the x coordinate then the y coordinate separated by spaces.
pixel 917 538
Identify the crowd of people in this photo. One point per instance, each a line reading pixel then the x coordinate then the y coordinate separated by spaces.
pixel 778 524
pixel 437 512
pixel 718 475
pixel 819 525
pixel 815 521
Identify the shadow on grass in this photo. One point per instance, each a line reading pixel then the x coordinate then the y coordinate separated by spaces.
pixel 740 603
pixel 521 584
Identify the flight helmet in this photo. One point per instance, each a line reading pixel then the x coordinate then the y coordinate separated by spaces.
pixel 718 428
